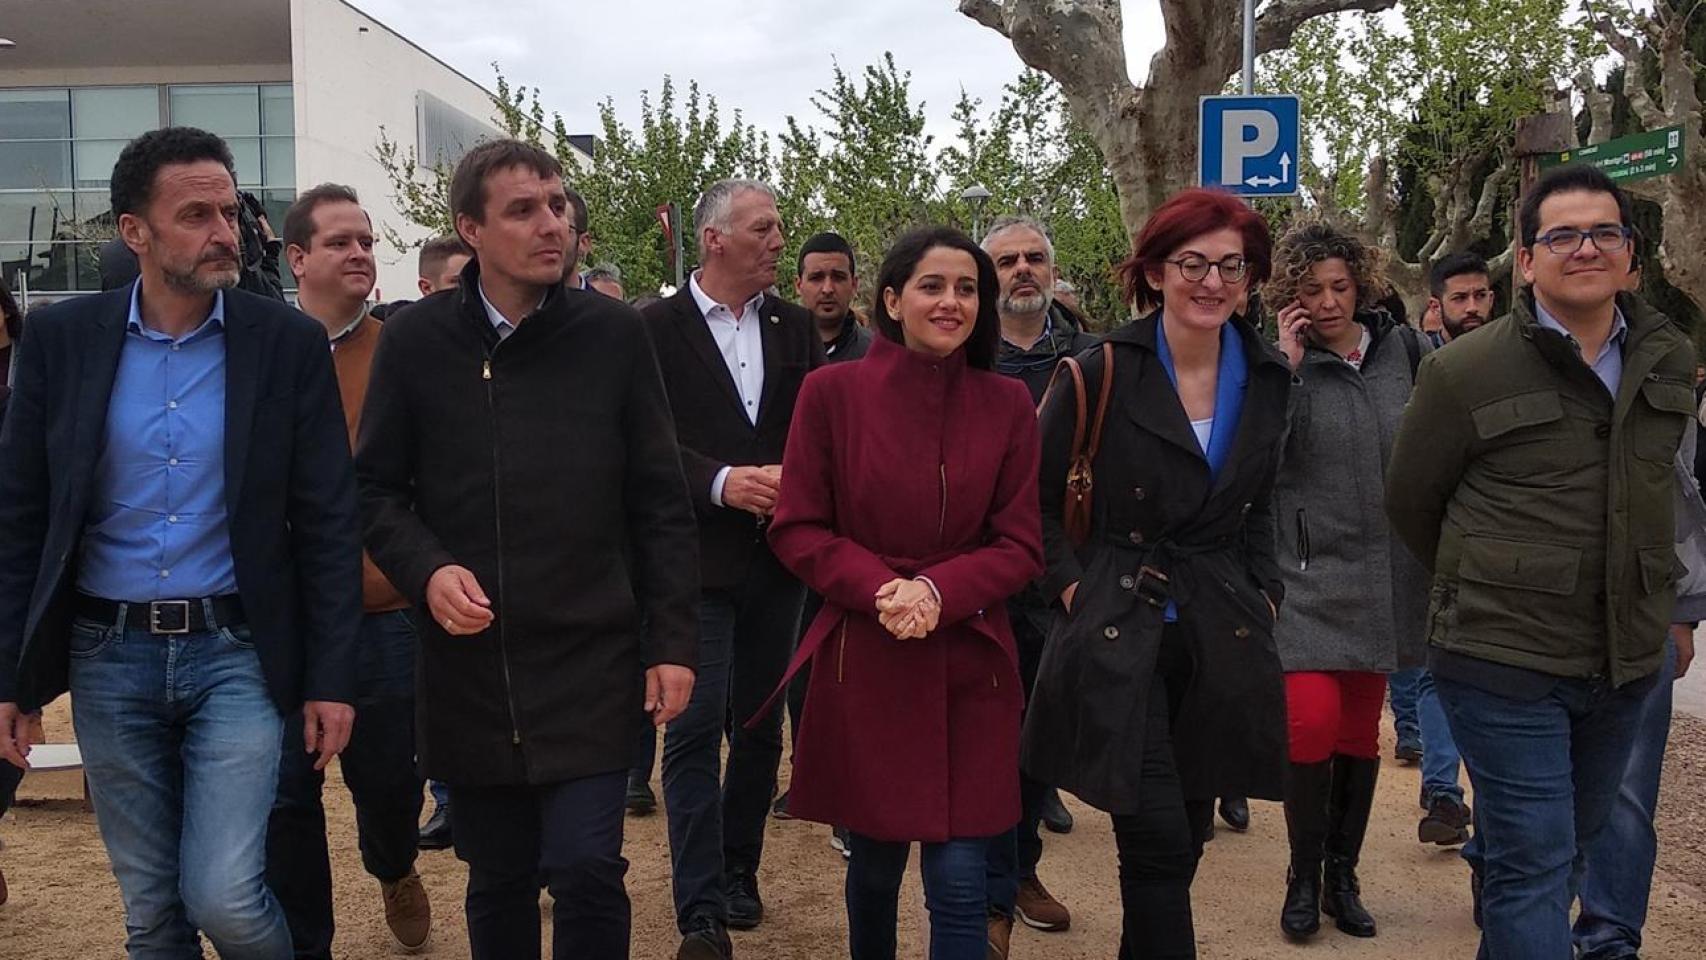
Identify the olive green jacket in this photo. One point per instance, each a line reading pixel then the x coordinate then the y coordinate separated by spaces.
pixel 1542 505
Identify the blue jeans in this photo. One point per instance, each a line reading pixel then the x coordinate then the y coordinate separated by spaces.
pixel 378 768
pixel 1546 772
pixel 954 893
pixel 440 795
pixel 1440 760
pixel 1617 868
pixel 180 743
pixel 1404 689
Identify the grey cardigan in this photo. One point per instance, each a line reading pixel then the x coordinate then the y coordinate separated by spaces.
pixel 1355 599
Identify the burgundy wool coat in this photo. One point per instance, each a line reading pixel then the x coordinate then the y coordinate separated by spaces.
pixel 903 465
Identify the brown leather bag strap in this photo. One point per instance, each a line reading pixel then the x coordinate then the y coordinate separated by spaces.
pixel 1102 396
pixel 1072 368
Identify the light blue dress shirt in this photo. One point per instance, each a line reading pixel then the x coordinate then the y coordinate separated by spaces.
pixel 1608 366
pixel 157 527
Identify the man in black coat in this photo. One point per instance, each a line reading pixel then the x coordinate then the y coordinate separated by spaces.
pixel 734 358
pixel 1036 332
pixel 180 548
pixel 521 483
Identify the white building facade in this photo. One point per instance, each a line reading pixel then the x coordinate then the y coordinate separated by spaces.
pixel 300 89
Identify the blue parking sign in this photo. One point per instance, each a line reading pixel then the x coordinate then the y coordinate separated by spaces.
pixel 1249 145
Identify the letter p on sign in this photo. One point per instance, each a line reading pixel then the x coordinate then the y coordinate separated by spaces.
pixel 1249 145
pixel 1245 135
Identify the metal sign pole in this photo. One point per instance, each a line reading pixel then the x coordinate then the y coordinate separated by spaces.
pixel 1249 47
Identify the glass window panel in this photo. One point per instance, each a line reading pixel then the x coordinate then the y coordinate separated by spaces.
pixel 114 113
pixel 86 268
pixel 230 111
pixel 31 216
pixel 48 265
pixel 34 114
pixel 247 153
pixel 95 160
pixel 280 156
pixel 276 203
pixel 93 212
pixel 278 110
pixel 35 165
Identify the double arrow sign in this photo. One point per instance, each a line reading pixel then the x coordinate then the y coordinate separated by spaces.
pixel 1271 180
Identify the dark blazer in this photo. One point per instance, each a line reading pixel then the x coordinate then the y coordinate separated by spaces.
pixel 547 465
pixel 1155 506
pixel 289 492
pixel 711 426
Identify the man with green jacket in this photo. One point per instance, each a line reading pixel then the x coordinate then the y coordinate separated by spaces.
pixel 1532 474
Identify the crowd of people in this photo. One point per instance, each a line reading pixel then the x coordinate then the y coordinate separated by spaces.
pixel 492 542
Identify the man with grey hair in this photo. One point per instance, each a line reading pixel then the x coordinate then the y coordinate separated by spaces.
pixel 1036 332
pixel 734 357
pixel 606 278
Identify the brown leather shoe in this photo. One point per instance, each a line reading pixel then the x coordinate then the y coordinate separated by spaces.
pixel 408 912
pixel 1038 908
pixel 1000 935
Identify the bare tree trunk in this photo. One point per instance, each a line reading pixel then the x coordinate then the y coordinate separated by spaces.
pixel 1147 134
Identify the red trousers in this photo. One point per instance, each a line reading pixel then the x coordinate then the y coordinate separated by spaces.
pixel 1338 712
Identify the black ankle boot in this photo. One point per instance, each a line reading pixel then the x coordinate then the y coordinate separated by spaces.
pixel 1347 815
pixel 1307 790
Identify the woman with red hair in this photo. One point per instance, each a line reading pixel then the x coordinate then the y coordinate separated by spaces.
pixel 1160 687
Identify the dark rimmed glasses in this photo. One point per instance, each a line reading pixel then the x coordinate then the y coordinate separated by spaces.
pixel 1565 241
pixel 1195 269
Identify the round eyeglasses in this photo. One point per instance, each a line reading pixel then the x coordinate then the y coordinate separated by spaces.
pixel 1195 269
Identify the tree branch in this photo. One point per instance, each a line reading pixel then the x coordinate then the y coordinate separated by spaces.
pixel 1378 193
pixel 986 12
pixel 1598 103
pixel 1276 24
pixel 1634 74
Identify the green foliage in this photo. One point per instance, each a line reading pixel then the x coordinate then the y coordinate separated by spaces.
pixel 864 167
pixel 1440 83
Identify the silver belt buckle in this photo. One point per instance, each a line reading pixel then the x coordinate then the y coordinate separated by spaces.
pixel 169 617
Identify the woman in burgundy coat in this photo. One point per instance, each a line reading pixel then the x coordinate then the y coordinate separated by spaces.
pixel 911 506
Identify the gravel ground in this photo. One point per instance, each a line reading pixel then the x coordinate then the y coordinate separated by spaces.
pixel 65 904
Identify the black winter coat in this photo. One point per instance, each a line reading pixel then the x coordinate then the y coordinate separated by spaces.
pixel 1154 506
pixel 547 465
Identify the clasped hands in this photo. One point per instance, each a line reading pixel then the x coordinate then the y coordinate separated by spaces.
pixel 908 608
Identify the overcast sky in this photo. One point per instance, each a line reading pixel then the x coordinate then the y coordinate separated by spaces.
pixel 765 57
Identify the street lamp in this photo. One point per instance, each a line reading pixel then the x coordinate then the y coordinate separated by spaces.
pixel 977 195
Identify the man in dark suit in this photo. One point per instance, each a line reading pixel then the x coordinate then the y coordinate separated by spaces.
pixel 179 547
pixel 733 357
pixel 521 483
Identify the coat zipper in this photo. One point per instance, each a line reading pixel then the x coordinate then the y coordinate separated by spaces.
pixel 498 527
pixel 841 653
pixel 942 517
pixel 1302 540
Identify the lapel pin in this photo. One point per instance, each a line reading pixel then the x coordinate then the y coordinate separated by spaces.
pixel 775 319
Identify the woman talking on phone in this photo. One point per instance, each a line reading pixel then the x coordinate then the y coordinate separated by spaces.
pixel 1356 601
pixel 1159 688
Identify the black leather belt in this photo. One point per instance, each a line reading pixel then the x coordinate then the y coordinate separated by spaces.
pixel 165 617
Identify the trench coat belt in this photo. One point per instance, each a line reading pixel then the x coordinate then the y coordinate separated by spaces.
pixel 1162 556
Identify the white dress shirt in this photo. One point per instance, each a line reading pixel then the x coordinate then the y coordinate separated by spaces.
pixel 740 339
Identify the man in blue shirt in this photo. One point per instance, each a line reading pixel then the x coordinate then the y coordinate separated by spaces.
pixel 179 548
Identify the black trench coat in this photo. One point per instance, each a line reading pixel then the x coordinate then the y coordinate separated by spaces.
pixel 1153 506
